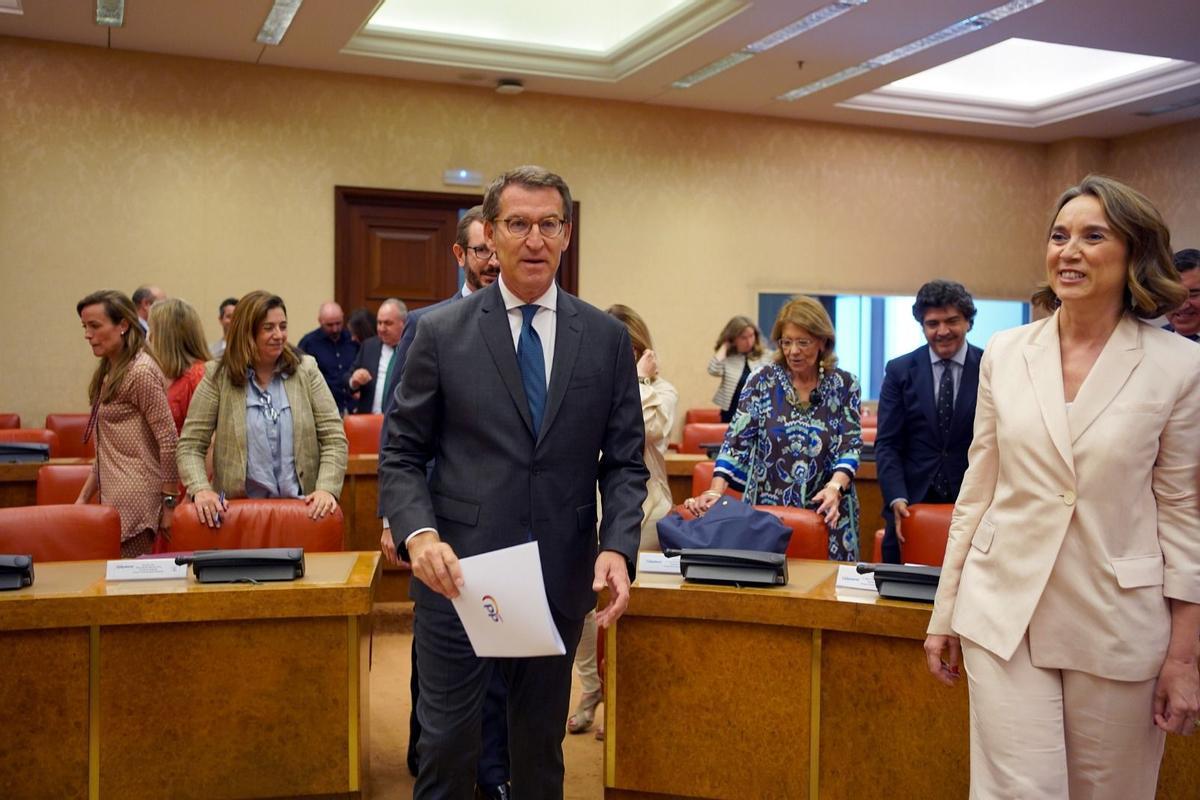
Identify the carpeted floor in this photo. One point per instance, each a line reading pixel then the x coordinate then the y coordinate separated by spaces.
pixel 390 703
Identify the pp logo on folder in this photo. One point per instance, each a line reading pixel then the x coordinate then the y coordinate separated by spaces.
pixel 492 608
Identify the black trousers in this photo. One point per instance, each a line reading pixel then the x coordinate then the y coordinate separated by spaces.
pixel 492 769
pixel 454 684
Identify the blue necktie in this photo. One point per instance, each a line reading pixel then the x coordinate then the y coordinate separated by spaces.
pixel 533 367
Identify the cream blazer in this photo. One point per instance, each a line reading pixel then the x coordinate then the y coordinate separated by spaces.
pixel 1076 525
pixel 318 437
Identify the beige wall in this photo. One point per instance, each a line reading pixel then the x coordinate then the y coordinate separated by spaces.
pixel 213 178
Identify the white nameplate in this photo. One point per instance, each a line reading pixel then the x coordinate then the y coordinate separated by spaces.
pixel 657 562
pixel 145 569
pixel 848 578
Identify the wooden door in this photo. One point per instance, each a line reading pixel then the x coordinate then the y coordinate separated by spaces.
pixel 391 243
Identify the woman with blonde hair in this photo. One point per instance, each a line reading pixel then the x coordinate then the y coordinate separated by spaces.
pixel 659 399
pixel 177 342
pixel 739 354
pixel 1070 583
pixel 277 429
pixel 796 436
pixel 134 470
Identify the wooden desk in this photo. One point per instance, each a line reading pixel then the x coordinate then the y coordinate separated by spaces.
pixel 870 498
pixel 173 689
pixel 794 692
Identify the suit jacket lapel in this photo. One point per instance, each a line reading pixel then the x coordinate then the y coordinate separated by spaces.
pixel 923 383
pixel 1122 352
pixel 1044 361
pixel 497 335
pixel 567 337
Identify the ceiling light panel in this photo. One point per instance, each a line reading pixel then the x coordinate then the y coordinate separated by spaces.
pixel 774 39
pixel 960 28
pixel 11 7
pixel 278 20
pixel 110 13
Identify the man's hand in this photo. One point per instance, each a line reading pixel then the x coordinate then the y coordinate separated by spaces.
pixel 436 566
pixel 388 545
pixel 611 572
pixel 900 511
pixel 359 377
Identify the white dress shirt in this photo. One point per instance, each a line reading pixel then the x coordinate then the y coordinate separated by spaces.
pixel 381 376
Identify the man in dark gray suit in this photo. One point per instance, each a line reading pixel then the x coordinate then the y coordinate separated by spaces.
pixel 525 398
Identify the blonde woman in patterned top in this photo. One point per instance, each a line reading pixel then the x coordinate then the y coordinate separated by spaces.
pixel 135 436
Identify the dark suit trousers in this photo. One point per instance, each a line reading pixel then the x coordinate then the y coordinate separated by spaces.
pixel 454 684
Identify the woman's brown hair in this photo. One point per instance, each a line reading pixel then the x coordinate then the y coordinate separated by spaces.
pixel 809 314
pixel 1152 285
pixel 240 349
pixel 638 332
pixel 118 308
pixel 176 337
pixel 734 327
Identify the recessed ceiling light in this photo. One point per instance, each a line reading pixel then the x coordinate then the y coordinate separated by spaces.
pixel 509 86
pixel 278 20
pixel 960 28
pixel 774 39
pixel 110 13
pixel 1026 83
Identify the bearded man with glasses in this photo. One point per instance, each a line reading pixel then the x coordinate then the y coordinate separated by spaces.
pixel 527 399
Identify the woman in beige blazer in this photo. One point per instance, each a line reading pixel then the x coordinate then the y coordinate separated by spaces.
pixel 1072 571
pixel 277 429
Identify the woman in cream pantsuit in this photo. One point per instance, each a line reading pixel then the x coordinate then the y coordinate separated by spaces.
pixel 1072 570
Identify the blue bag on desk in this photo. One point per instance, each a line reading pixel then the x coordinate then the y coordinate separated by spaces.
pixel 730 524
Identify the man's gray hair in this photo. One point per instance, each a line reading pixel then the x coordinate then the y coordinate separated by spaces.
pixel 531 177
pixel 401 309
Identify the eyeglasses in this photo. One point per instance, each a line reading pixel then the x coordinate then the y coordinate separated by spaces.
pixel 481 252
pixel 798 344
pixel 549 228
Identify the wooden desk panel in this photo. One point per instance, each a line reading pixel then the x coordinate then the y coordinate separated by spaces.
pixel 176 689
pixel 710 691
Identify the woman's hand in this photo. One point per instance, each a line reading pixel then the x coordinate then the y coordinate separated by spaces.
pixel 702 502
pixel 165 520
pixel 209 506
pixel 647 365
pixel 722 351
pixel 1177 696
pixel 320 503
pixel 945 670
pixel 828 502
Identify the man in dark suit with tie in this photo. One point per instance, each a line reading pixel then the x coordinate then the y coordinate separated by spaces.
pixel 927 411
pixel 376 359
pixel 526 399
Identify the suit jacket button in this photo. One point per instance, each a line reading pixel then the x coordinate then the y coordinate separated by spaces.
pixel 1069 497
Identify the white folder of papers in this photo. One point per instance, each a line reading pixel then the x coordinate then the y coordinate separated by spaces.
pixel 503 606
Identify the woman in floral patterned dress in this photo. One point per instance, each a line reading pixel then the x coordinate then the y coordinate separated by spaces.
pixel 796 436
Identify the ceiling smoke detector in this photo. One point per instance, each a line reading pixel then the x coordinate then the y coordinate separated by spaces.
pixel 509 86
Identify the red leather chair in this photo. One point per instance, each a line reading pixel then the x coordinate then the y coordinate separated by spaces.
pixel 10 421
pixel 868 435
pixel 362 432
pixel 698 433
pixel 258 523
pixel 925 533
pixel 710 415
pixel 60 484
pixel 877 553
pixel 34 435
pixel 61 533
pixel 702 475
pixel 70 428
pixel 869 418
pixel 810 537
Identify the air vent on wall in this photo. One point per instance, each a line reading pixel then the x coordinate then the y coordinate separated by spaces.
pixel 1167 109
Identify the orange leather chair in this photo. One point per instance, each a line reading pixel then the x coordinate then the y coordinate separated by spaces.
pixel 60 484
pixel 710 415
pixel 698 433
pixel 70 428
pixel 702 479
pixel 877 553
pixel 10 421
pixel 869 418
pixel 925 533
pixel 61 533
pixel 868 435
pixel 362 432
pixel 810 537
pixel 34 435
pixel 258 523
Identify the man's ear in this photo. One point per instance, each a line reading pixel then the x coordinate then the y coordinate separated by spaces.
pixel 489 235
pixel 460 255
pixel 566 236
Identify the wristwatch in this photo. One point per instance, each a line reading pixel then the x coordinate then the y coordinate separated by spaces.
pixel 169 501
pixel 645 381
